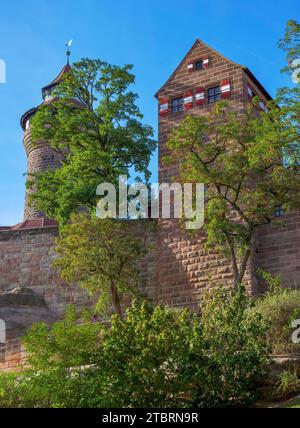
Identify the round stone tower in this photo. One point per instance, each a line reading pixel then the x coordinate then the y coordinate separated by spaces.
pixel 39 156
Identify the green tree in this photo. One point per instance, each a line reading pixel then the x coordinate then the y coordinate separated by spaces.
pixel 239 159
pixel 94 125
pixel 55 356
pixel 237 346
pixel 102 256
pixel 289 97
pixel 249 163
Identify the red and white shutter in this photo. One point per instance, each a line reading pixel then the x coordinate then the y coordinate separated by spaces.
pixel 190 66
pixel 205 62
pixel 188 100
pixel 225 89
pixel 163 106
pixel 200 96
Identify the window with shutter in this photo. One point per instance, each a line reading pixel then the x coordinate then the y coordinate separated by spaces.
pixel 214 94
pixel 177 105
pixel 163 106
pixel 188 100
pixel 225 89
pixel 200 96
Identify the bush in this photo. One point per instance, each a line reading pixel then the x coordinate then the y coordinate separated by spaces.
pixel 278 308
pixel 288 384
pixel 152 357
pixel 236 344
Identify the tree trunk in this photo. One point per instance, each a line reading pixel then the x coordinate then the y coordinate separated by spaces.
pixel 243 266
pixel 234 265
pixel 115 299
pixel 239 272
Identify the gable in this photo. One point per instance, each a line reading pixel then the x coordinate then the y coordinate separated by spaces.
pixel 186 75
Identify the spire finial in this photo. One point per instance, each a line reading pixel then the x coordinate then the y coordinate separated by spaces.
pixel 68 53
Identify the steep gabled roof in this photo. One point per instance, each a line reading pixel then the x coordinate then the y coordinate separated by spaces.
pixel 246 69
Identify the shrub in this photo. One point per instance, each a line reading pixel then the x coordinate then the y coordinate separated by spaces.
pixel 236 343
pixel 152 357
pixel 278 308
pixel 55 358
pixel 287 385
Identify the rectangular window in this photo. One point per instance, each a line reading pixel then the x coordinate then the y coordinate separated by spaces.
pixel 279 212
pixel 251 93
pixel 199 65
pixel 177 105
pixel 214 94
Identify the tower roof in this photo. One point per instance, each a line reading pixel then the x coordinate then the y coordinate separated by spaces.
pixel 66 68
pixel 58 78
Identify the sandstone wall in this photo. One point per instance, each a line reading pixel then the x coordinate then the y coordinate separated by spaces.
pixel 40 157
pixel 25 261
pixel 278 249
pixel 186 270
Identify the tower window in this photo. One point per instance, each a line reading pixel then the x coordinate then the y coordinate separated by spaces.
pixel 177 105
pixel 279 212
pixel 251 93
pixel 214 94
pixel 199 65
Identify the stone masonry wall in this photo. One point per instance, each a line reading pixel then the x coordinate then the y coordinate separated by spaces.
pixel 25 261
pixel 178 269
pixel 40 157
pixel 278 250
pixel 12 356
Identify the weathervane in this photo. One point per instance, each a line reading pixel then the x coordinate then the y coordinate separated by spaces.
pixel 68 53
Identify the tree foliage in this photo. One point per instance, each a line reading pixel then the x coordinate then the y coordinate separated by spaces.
pixel 279 308
pixel 95 126
pixel 102 256
pixel 239 159
pixel 289 97
pixel 248 161
pixel 152 357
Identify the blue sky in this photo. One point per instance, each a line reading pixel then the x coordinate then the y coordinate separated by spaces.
pixel 153 35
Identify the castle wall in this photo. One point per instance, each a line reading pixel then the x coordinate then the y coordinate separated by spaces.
pixel 278 249
pixel 178 269
pixel 12 356
pixel 25 261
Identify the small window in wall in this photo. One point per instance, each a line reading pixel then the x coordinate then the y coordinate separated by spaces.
pixel 199 65
pixel 214 94
pixel 27 124
pixel 177 105
pixel 251 93
pixel 279 212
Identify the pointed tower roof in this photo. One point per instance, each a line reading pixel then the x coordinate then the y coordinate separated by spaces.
pixel 200 42
pixel 66 68
pixel 58 78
